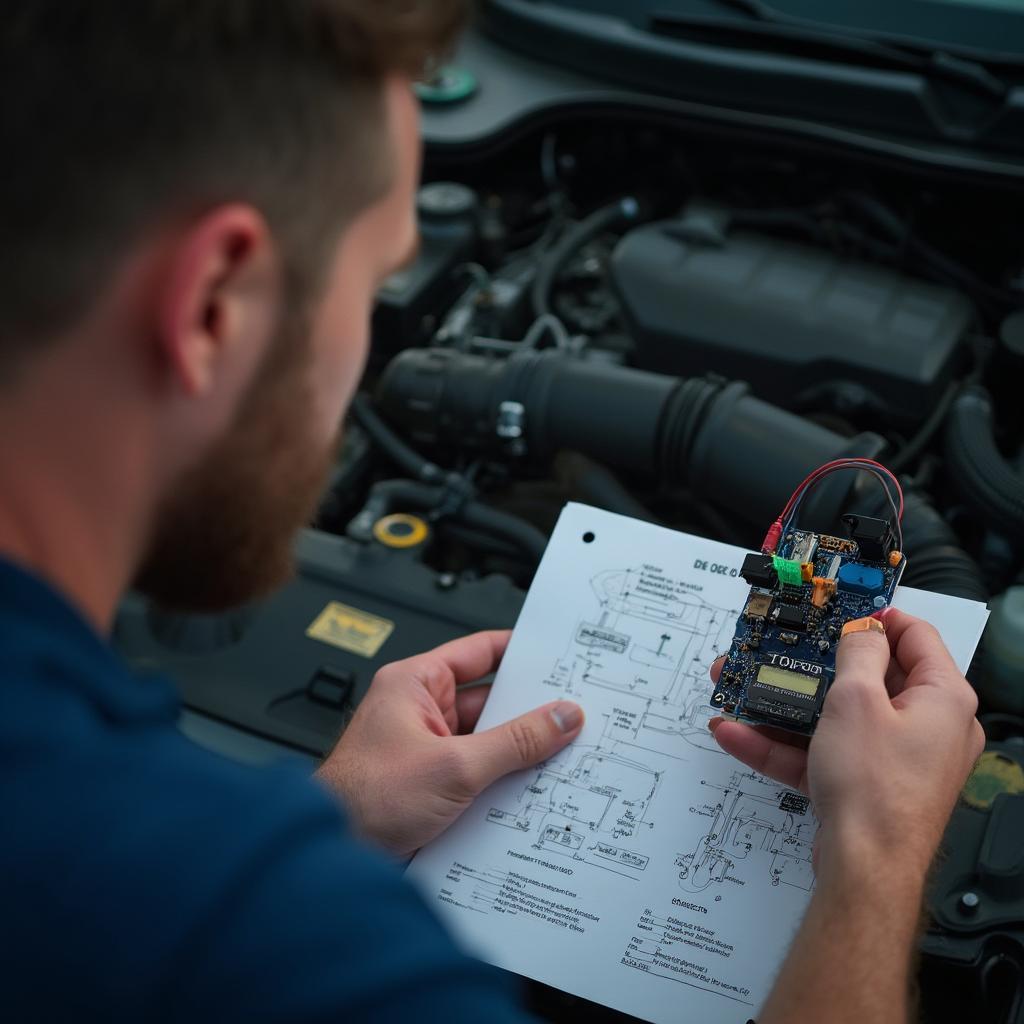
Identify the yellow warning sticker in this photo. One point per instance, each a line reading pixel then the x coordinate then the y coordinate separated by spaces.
pixel 351 629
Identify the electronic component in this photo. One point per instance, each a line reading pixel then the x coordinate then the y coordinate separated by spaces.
pixel 757 606
pixel 861 579
pixel 824 590
pixel 804 548
pixel 873 537
pixel 789 617
pixel 782 659
pixel 788 571
pixel 780 693
pixel 835 544
pixel 758 571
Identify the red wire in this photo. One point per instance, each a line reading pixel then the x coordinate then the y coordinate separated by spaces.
pixel 771 538
pixel 836 464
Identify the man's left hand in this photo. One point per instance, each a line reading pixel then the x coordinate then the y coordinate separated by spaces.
pixel 408 764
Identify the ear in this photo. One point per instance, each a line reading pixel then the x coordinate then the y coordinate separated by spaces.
pixel 219 288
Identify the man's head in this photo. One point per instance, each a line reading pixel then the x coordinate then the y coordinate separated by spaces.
pixel 205 195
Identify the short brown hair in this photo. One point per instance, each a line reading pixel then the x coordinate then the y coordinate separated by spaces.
pixel 121 114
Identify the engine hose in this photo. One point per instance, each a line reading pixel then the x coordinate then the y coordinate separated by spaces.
pixel 392 445
pixel 619 214
pixel 709 436
pixel 389 495
pixel 935 560
pixel 597 485
pixel 987 482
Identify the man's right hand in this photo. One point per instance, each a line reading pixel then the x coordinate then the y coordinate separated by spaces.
pixel 895 743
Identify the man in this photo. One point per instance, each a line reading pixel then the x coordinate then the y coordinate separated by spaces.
pixel 199 200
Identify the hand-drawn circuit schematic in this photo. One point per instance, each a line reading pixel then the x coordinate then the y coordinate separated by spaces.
pixel 652 638
pixel 650 641
pixel 584 802
pixel 758 831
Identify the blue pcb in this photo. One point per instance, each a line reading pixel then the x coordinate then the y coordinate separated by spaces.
pixel 782 659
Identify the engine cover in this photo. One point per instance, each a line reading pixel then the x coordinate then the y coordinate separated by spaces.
pixel 292 668
pixel 790 319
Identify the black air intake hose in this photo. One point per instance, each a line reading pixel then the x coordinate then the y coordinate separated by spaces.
pixel 935 561
pixel 986 481
pixel 710 436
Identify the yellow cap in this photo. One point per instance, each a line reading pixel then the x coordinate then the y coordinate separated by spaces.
pixel 401 530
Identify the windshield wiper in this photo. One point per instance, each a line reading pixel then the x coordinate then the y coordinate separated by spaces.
pixel 765 28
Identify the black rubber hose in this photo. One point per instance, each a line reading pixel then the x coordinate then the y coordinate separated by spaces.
pixel 935 560
pixel 713 438
pixel 408 460
pixel 599 486
pixel 389 495
pixel 987 482
pixel 525 536
pixel 619 214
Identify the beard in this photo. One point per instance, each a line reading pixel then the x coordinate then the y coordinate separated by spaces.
pixel 224 535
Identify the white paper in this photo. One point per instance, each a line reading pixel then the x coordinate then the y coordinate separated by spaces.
pixel 641 868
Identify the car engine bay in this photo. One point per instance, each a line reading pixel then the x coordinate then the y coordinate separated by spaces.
pixel 673 321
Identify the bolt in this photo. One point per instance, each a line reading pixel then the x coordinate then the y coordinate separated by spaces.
pixel 969 902
pixel 446 581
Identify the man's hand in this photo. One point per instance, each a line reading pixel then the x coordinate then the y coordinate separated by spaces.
pixel 896 740
pixel 406 767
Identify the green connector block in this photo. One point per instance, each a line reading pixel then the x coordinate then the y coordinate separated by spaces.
pixel 788 571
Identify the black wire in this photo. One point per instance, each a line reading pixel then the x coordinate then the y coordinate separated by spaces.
pixel 620 213
pixel 905 457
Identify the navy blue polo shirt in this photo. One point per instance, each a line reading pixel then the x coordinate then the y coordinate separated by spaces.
pixel 143 878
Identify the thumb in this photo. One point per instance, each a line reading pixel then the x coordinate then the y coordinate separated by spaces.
pixel 520 743
pixel 863 655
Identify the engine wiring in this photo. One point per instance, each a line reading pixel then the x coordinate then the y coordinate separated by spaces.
pixel 788 516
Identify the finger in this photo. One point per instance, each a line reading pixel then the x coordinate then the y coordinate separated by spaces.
pixel 862 661
pixel 521 743
pixel 770 731
pixel 716 668
pixel 778 760
pixel 919 651
pixel 439 671
pixel 472 657
pixel 469 702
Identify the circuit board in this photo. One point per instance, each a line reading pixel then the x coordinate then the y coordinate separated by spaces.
pixel 782 659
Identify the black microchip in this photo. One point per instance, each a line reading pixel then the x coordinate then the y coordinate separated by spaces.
pixel 794 802
pixel 789 617
pixel 758 570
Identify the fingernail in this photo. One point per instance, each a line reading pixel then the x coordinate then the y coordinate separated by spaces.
pixel 715 723
pixel 568 717
pixel 881 614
